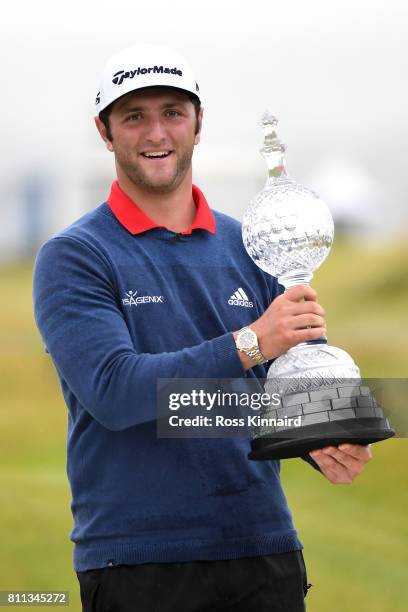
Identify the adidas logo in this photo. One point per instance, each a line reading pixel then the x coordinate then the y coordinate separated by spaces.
pixel 240 298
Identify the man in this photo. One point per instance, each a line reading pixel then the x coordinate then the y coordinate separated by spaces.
pixel 138 290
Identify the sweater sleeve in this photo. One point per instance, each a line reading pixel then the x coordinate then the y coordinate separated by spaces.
pixel 82 326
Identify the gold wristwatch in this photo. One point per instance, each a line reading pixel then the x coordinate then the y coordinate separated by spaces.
pixel 247 342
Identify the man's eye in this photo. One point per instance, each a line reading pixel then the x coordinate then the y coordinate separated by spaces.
pixel 134 117
pixel 173 113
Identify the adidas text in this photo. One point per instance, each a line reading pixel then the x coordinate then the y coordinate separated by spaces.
pixel 240 298
pixel 245 303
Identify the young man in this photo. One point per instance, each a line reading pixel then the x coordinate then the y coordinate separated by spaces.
pixel 138 290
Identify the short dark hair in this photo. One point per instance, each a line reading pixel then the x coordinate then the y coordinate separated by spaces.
pixel 104 114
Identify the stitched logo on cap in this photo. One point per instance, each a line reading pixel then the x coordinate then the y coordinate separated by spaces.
pixel 121 75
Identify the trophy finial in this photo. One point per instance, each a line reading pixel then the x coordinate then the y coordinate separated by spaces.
pixel 268 122
pixel 273 149
pixel 271 141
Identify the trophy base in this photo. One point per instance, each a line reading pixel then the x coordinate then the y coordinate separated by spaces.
pixel 318 435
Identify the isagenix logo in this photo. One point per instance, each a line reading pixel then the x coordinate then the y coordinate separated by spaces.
pixel 132 299
pixel 121 75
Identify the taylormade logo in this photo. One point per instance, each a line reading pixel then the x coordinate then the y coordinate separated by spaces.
pixel 121 75
pixel 240 298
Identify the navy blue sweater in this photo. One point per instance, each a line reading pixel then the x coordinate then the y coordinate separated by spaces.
pixel 116 311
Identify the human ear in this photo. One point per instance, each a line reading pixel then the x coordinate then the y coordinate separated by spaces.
pixel 200 123
pixel 100 126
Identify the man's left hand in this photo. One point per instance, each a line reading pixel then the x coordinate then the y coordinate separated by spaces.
pixel 342 464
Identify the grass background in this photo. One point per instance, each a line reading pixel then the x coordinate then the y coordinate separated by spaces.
pixel 355 536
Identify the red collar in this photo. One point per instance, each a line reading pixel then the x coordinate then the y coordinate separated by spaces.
pixel 135 221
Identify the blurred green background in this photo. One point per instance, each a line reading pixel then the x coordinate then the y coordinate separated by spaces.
pixel 355 537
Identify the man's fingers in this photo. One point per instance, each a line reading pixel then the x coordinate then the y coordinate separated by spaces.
pixel 306 320
pixel 290 320
pixel 299 308
pixel 337 476
pixel 301 292
pixel 311 333
pixel 340 466
pixel 363 453
pixel 353 465
pixel 335 471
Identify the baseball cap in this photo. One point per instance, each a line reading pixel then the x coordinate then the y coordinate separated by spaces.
pixel 144 66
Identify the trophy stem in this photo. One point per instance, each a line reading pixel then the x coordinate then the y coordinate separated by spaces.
pixel 295 277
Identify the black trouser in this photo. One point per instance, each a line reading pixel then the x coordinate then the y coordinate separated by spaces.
pixel 272 583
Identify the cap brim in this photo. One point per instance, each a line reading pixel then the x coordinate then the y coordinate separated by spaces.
pixel 187 92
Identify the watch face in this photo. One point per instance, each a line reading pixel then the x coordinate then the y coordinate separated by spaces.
pixel 247 339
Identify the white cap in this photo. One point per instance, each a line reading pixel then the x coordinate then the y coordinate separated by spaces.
pixel 144 66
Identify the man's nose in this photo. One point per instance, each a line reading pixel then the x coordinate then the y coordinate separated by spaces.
pixel 156 132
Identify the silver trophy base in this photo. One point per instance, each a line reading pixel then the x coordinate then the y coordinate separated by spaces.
pixel 321 386
pixel 353 431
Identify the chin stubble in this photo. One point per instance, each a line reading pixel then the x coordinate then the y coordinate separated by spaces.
pixel 142 180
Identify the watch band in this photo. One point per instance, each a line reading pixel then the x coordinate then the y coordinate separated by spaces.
pixel 256 355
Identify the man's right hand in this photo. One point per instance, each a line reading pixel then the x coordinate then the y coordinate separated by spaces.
pixel 293 317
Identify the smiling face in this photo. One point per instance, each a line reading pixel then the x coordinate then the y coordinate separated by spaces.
pixel 153 138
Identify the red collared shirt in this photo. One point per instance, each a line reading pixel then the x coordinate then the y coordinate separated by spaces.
pixel 136 221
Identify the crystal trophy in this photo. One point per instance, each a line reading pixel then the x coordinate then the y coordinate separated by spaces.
pixel 288 232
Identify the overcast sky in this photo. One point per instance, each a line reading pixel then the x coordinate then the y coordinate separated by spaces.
pixel 334 72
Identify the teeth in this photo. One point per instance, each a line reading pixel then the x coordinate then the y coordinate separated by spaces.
pixel 158 154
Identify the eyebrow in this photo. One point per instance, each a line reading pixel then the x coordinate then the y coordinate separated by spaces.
pixel 134 109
